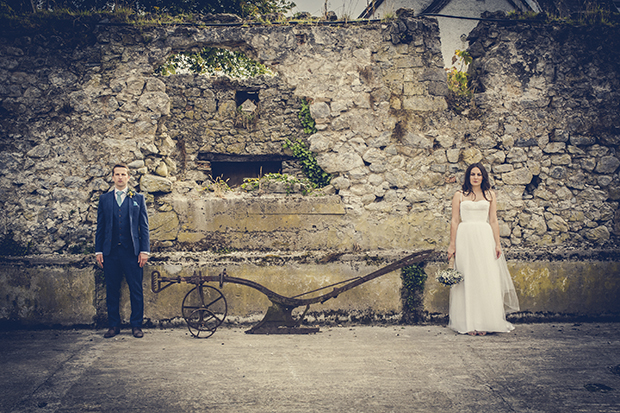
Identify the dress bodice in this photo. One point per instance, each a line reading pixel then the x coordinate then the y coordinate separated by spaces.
pixel 475 211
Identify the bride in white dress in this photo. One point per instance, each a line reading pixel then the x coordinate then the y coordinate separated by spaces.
pixel 479 303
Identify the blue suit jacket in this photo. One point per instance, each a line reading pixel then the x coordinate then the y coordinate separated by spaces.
pixel 138 220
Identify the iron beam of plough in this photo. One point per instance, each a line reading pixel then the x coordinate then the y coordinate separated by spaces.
pixel 278 318
pixel 222 278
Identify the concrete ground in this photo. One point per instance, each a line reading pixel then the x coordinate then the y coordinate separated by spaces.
pixel 536 368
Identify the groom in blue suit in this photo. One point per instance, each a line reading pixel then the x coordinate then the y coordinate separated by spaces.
pixel 122 247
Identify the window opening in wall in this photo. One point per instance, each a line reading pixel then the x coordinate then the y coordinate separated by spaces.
pixel 235 168
pixel 242 95
pixel 247 108
pixel 234 172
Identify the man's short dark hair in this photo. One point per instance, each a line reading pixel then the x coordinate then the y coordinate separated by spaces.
pixel 120 165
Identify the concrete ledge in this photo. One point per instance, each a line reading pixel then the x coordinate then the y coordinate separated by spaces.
pixel 69 289
pixel 566 287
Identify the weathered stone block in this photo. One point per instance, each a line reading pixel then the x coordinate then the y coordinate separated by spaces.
pixel 517 155
pixel 162 169
pixel 503 168
pixel 157 102
pixel 557 224
pixel 592 196
pixel 425 104
pixel 471 155
pixel 486 141
pixel 190 237
pixel 134 85
pixel 227 109
pixel 522 176
pixel 397 178
pixel 163 226
pixel 151 183
pixel 39 151
pixel 339 162
pixel 555 147
pixel 598 235
pixel 415 196
pixel 565 159
pixel 579 140
pixel 341 182
pixel 417 141
pixel 320 110
pixel 557 172
pixel 413 88
pixel 607 165
pixel 453 155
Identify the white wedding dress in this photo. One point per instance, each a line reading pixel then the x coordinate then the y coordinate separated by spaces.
pixel 481 300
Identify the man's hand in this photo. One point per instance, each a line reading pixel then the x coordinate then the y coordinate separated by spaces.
pixel 142 259
pixel 99 258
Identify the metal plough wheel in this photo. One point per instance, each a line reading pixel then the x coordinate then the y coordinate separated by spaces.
pixel 204 309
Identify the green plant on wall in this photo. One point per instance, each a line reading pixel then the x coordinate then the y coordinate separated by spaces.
pixel 306 118
pixel 246 120
pixel 458 80
pixel 309 166
pixel 413 279
pixel 291 183
pixel 243 8
pixel 590 14
pixel 218 186
pixel 213 61
pixel 461 96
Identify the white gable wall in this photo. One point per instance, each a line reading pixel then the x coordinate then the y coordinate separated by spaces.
pixel 453 32
pixel 389 7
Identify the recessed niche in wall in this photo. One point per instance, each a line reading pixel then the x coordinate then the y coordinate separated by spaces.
pixel 531 187
pixel 247 108
pixel 234 168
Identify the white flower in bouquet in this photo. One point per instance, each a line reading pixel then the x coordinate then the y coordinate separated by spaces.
pixel 449 277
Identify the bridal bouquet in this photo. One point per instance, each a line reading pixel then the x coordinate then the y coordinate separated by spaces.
pixel 449 277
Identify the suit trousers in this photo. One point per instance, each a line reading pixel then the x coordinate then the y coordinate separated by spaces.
pixel 123 261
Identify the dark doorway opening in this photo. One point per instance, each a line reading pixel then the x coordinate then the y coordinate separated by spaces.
pixel 234 172
pixel 234 168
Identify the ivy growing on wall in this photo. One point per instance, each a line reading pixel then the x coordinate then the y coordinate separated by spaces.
pixel 213 61
pixel 309 166
pixel 243 8
pixel 306 118
pixel 413 279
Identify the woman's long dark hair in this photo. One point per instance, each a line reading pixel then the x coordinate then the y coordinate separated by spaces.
pixel 485 185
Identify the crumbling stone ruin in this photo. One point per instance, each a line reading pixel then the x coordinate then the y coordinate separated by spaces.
pixel 545 121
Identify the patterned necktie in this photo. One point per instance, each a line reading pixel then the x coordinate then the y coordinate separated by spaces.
pixel 119 198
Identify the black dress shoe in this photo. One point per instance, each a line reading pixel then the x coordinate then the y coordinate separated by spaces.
pixel 137 332
pixel 112 332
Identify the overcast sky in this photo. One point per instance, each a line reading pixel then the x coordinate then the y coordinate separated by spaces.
pixel 353 8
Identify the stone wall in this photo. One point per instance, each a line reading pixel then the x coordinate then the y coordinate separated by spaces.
pixel 545 122
pixel 559 174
